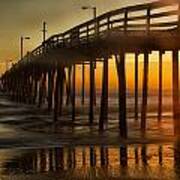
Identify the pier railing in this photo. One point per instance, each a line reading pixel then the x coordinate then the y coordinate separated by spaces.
pixel 145 18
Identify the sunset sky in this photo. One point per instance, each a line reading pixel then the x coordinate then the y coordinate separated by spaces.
pixel 25 17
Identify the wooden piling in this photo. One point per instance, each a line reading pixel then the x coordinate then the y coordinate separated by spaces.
pixel 144 155
pixel 136 87
pixel 59 160
pixel 104 97
pixel 42 89
pixel 136 155
pixel 74 93
pixel 123 156
pixel 61 89
pixel 35 89
pixel 68 86
pixel 92 156
pixel 144 93
pixel 56 95
pixel 120 63
pixel 104 156
pixel 160 87
pixel 83 84
pixel 160 153
pixel 91 91
pixel 175 83
pixel 51 73
pixel 176 111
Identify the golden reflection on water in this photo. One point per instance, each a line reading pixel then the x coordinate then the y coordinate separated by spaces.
pixel 133 161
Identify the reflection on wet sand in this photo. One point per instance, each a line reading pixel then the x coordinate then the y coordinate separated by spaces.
pixel 93 162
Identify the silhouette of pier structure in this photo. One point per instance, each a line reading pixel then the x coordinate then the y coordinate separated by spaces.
pixel 50 69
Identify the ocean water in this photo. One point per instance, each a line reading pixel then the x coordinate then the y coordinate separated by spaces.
pixel 33 147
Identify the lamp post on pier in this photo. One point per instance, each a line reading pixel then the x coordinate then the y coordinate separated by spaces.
pixel 94 15
pixel 22 44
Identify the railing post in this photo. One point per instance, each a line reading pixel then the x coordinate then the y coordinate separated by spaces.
pixel 108 23
pixel 148 20
pixel 125 20
pixel 87 34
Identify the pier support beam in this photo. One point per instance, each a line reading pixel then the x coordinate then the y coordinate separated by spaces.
pixel 56 95
pixel 144 93
pixel 68 86
pixel 83 84
pixel 136 87
pixel 61 93
pixel 123 156
pixel 92 156
pixel 91 91
pixel 42 89
pixel 104 97
pixel 35 89
pixel 104 156
pixel 74 93
pixel 144 155
pixel 160 87
pixel 120 63
pixel 50 88
pixel 176 108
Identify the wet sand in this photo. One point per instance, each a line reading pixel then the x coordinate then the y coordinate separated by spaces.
pixel 33 147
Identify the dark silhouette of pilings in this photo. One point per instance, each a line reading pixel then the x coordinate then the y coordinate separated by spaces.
pixel 123 156
pixel 68 85
pixel 43 161
pixel 58 96
pixel 136 155
pixel 175 83
pixel 35 89
pixel 71 159
pixel 160 153
pixel 120 63
pixel 51 74
pixel 136 87
pixel 61 93
pixel 104 97
pixel 144 93
pixel 92 156
pixel 176 109
pixel 84 156
pixel 83 84
pixel 73 92
pixel 42 88
pixel 160 86
pixel 59 158
pixel 177 158
pixel 104 156
pixel 50 154
pixel 144 155
pixel 91 91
